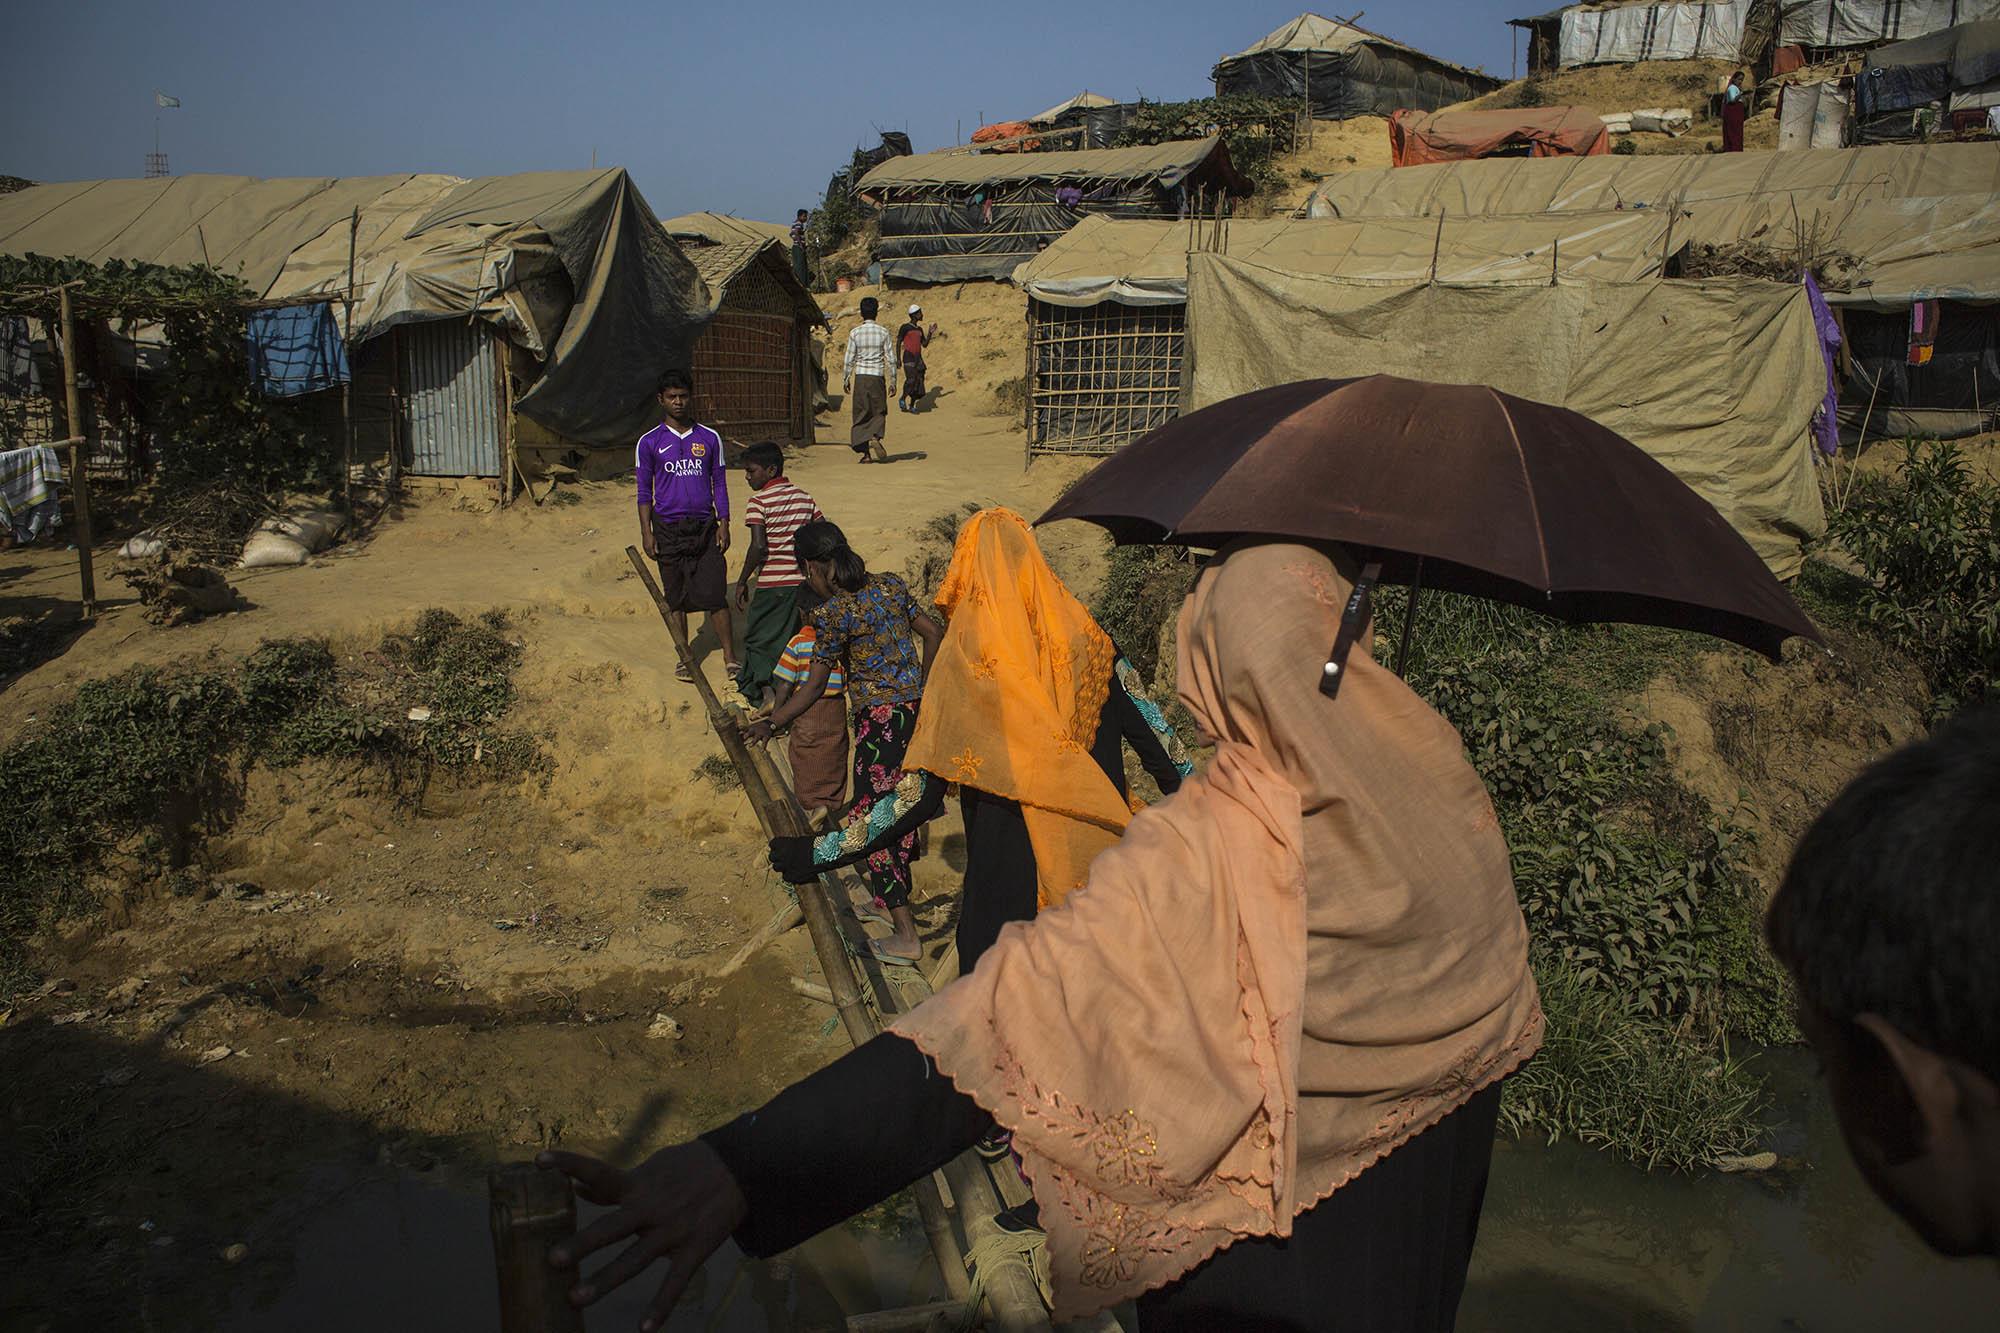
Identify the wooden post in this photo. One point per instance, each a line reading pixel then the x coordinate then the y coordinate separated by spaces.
pixel 347 389
pixel 780 814
pixel 79 472
pixel 531 1208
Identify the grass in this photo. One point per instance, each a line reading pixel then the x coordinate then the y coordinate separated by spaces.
pixel 719 771
pixel 125 777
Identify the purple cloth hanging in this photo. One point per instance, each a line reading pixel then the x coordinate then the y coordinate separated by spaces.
pixel 1826 423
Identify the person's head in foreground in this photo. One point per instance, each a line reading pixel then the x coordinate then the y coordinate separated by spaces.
pixel 869 307
pixel 1889 921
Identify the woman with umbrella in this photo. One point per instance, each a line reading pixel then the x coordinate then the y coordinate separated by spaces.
pixel 1252 1068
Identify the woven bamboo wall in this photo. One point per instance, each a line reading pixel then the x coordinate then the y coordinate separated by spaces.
pixel 747 373
pixel 1101 376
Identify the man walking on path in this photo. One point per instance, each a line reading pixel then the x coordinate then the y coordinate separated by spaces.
pixel 684 513
pixel 799 265
pixel 776 511
pixel 868 377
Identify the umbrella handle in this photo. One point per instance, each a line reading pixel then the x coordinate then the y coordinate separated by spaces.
pixel 1353 619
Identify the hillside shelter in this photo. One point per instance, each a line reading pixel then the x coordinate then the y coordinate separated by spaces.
pixel 1890 226
pixel 753 363
pixel 1826 25
pixel 1634 30
pixel 1957 68
pixel 947 217
pixel 696 229
pixel 551 298
pixel 1108 303
pixel 1718 380
pixel 1342 71
pixel 1417 137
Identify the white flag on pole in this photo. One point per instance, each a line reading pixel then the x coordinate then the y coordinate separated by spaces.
pixel 165 100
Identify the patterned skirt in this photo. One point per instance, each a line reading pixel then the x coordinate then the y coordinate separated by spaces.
pixel 881 738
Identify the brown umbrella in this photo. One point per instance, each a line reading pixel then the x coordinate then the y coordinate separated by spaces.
pixel 1453 486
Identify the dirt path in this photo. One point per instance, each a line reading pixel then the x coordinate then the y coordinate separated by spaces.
pixel 357 979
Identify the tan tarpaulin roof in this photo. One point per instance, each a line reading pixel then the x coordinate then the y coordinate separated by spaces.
pixel 720 265
pixel 1923 221
pixel 1145 263
pixel 1081 100
pixel 1310 32
pixel 571 265
pixel 1717 380
pixel 722 229
pixel 1169 162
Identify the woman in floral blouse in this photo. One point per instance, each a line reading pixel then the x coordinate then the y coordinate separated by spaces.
pixel 871 627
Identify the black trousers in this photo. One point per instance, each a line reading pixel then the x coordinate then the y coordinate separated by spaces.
pixel 1385 1253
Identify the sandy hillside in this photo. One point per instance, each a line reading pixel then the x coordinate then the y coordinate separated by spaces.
pixel 1651 83
pixel 1335 146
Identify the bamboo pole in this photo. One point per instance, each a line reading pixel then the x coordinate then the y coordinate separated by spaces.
pixel 784 818
pixel 530 1209
pixel 347 389
pixel 79 473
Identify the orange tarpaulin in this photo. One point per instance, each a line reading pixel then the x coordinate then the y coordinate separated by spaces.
pixel 1007 129
pixel 1416 137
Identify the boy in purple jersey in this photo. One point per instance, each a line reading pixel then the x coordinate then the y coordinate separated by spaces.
pixel 684 514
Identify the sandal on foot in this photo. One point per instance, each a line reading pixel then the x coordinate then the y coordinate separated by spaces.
pixel 883 955
pixel 684 673
pixel 870 912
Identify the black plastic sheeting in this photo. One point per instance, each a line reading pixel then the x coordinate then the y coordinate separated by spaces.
pixel 894 144
pixel 949 237
pixel 1928 69
pixel 1101 125
pixel 1964 370
pixel 1365 80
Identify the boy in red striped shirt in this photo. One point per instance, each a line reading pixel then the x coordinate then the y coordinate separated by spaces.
pixel 776 511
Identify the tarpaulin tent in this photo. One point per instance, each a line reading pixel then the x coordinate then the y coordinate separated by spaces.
pixel 1345 71
pixel 1083 101
pixel 1835 23
pixel 1624 34
pixel 1903 224
pixel 1417 137
pixel 946 217
pixel 1957 68
pixel 1107 303
pixel 753 362
pixel 693 229
pixel 1717 380
pixel 570 266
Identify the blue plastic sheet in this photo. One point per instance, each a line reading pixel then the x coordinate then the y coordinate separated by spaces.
pixel 296 349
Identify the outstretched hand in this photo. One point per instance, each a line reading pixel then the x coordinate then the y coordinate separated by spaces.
pixel 680 1204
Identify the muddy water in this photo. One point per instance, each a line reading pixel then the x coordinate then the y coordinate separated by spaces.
pixel 1570 1240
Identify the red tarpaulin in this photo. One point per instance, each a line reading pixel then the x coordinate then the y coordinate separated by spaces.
pixel 1416 137
pixel 1008 129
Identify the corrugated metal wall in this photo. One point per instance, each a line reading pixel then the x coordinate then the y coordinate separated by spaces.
pixel 452 400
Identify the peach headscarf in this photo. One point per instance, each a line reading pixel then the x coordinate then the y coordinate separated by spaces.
pixel 1014 696
pixel 1304 958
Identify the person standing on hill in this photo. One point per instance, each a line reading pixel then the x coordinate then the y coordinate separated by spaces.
pixel 911 340
pixel 1735 110
pixel 777 510
pixel 684 514
pixel 868 376
pixel 799 265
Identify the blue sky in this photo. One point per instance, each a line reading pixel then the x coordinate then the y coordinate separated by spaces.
pixel 743 108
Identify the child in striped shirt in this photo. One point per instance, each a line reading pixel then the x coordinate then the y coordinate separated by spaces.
pixel 776 512
pixel 818 740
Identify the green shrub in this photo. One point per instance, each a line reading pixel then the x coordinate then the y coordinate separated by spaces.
pixel 1651 1092
pixel 1142 592
pixel 144 761
pixel 1928 542
pixel 1254 129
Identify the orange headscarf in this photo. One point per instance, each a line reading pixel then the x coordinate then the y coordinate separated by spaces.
pixel 1014 697
pixel 1304 958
